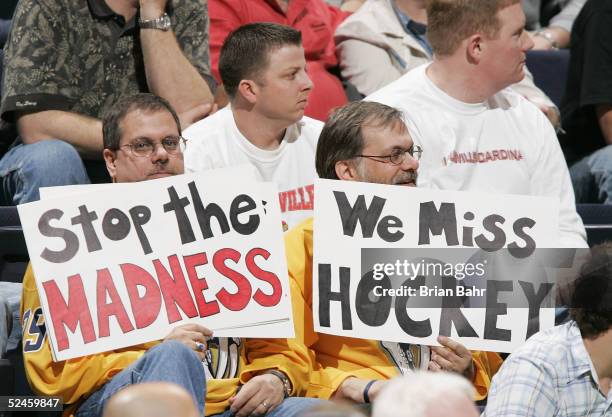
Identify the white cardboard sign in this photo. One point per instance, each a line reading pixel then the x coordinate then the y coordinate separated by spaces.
pixel 123 265
pixel 354 221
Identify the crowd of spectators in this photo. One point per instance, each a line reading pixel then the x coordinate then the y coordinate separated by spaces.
pixel 109 91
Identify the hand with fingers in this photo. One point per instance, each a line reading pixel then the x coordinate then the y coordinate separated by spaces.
pixel 192 335
pixel 260 395
pixel 452 356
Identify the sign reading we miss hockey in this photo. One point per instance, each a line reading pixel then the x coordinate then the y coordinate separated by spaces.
pixel 383 269
pixel 122 266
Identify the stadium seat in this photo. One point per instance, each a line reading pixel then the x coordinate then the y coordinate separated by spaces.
pixel 12 242
pixel 597 219
pixel 549 69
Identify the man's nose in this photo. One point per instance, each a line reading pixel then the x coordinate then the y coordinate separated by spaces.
pixel 159 153
pixel 410 163
pixel 308 85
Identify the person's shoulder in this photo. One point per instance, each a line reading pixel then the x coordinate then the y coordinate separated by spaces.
pixel 311 125
pixel 295 236
pixel 596 9
pixel 309 130
pixel 54 8
pixel 183 9
pixel 372 17
pixel 528 112
pixel 548 349
pixel 29 282
pixel 403 91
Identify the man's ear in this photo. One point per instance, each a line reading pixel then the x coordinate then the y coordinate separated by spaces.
pixel 249 90
pixel 347 171
pixel 474 48
pixel 109 159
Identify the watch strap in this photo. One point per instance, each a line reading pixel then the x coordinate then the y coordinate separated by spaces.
pixel 284 379
pixel 161 23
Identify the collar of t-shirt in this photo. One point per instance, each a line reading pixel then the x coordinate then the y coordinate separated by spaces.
pixel 449 101
pixel 267 156
pixel 415 29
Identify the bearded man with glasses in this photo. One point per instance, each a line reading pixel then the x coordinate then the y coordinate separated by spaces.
pixel 368 142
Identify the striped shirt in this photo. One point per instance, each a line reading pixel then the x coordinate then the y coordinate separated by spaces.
pixel 550 375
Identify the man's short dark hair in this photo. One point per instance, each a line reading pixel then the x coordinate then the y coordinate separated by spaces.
pixel 245 52
pixel 591 301
pixel 111 130
pixel 342 136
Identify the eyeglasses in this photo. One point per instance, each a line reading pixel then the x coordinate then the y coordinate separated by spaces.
pixel 144 148
pixel 396 157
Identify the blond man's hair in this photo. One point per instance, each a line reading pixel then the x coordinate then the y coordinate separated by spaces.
pixel 449 22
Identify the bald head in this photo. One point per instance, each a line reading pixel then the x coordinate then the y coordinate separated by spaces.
pixel 151 399
pixel 426 394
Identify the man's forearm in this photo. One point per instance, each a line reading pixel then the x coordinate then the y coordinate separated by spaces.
pixel 84 133
pixel 169 72
pixel 551 37
pixel 561 35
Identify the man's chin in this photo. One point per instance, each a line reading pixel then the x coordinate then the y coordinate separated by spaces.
pixel 158 175
pixel 410 183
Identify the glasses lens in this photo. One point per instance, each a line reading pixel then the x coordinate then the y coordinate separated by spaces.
pixel 397 157
pixel 142 148
pixel 171 144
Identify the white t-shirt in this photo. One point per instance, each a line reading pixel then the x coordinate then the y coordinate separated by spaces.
pixel 504 145
pixel 216 142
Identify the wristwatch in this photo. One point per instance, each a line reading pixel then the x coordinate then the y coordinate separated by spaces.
pixel 284 379
pixel 161 23
pixel 548 36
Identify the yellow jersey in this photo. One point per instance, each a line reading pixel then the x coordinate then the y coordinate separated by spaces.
pixel 335 357
pixel 230 361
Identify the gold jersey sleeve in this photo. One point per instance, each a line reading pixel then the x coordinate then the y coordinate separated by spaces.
pixel 72 379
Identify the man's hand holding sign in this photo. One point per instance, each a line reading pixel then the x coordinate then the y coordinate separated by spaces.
pixel 192 335
pixel 452 356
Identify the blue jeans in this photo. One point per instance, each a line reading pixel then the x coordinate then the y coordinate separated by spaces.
pixel 10 326
pixel 592 177
pixel 26 168
pixel 169 361
pixel 290 407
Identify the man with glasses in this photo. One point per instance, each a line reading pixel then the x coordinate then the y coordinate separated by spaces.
pixel 142 140
pixel 144 143
pixel 368 142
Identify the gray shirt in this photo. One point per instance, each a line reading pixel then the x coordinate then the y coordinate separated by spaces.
pixel 565 19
